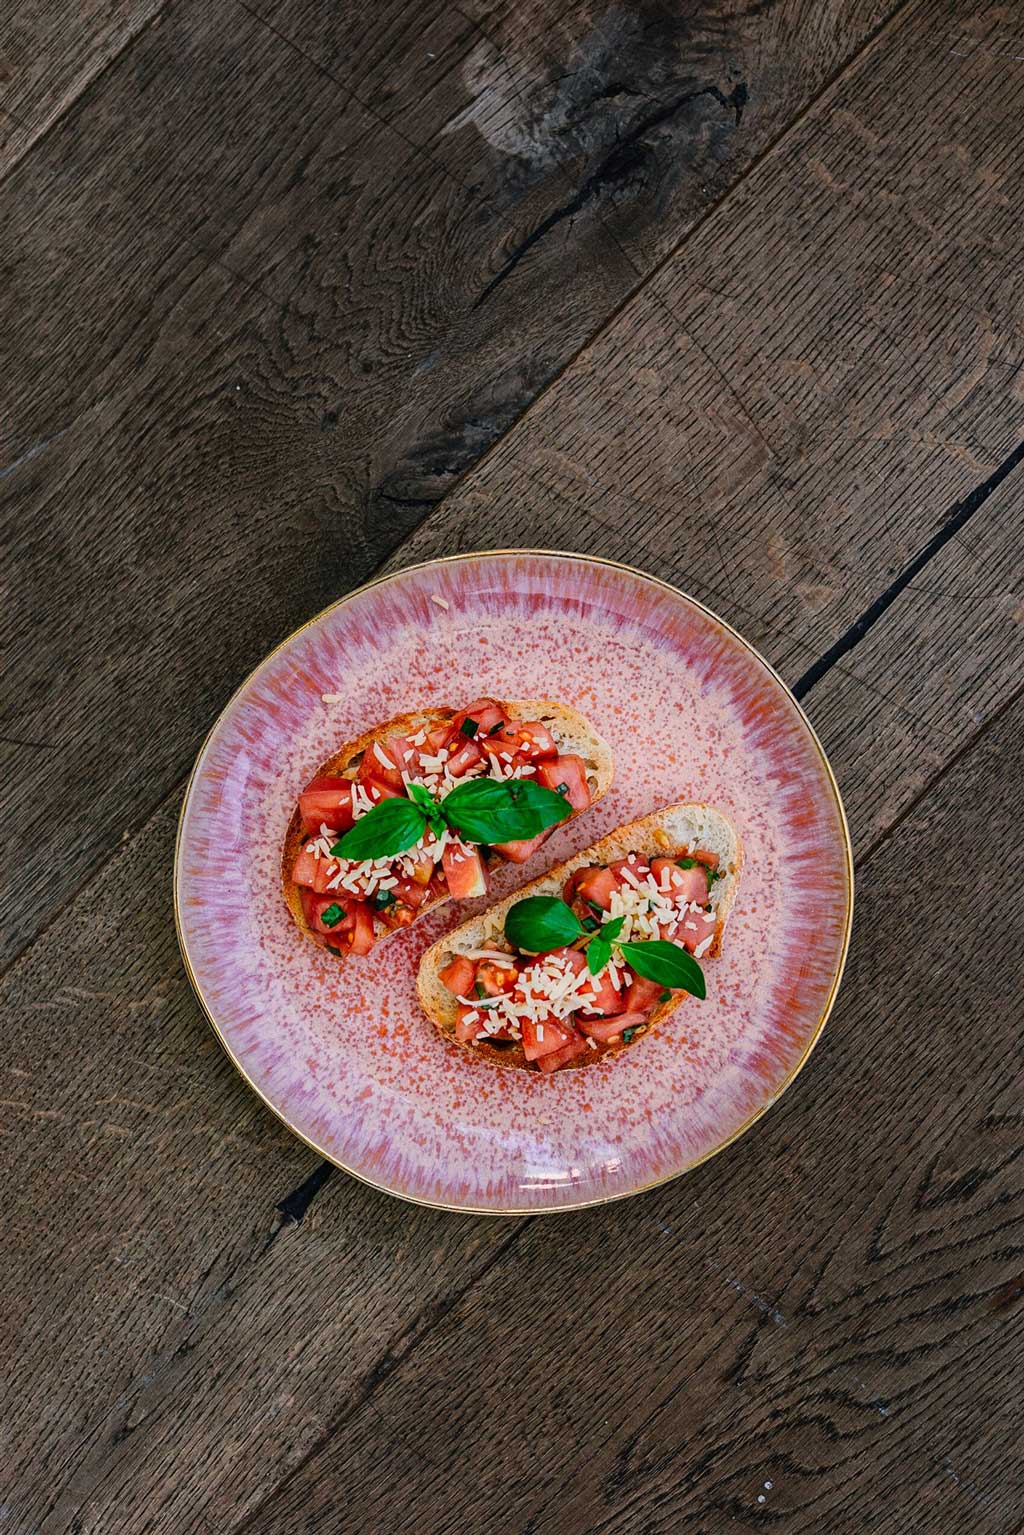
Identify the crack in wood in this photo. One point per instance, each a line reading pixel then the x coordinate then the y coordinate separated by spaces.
pixel 628 157
pixel 956 519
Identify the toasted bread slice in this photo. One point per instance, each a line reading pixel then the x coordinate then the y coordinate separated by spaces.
pixel 665 833
pixel 570 730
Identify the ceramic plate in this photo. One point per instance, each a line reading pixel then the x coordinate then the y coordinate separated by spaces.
pixel 341 1052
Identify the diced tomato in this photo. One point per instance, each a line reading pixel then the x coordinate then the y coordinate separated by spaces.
pixel 703 856
pixel 326 869
pixel 545 1036
pixel 463 871
pixel 496 979
pixel 685 884
pixel 383 774
pixel 572 959
pixel 326 801
pixel 606 1029
pixel 465 754
pixel 410 892
pixel 558 1058
pixel 519 852
pixel 597 885
pixel 528 739
pixel 468 1024
pixel 362 937
pixel 568 776
pixel 304 869
pixel 422 865
pixel 693 928
pixel 636 866
pixel 459 975
pixel 607 996
pixel 313 907
pixel 642 995
pixel 485 711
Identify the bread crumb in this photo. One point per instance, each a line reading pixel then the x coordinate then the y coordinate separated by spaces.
pixel 440 601
pixel 331 698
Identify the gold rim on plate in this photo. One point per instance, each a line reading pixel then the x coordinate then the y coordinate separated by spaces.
pixel 604 1199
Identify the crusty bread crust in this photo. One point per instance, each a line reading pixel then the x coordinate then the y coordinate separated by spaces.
pixel 665 833
pixel 570 729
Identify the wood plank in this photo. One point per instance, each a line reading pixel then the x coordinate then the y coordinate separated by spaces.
pixel 781 430
pixel 95 991
pixel 821 1327
pixel 141 1179
pixel 246 321
pixel 50 54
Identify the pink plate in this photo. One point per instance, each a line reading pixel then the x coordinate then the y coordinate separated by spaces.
pixel 341 1051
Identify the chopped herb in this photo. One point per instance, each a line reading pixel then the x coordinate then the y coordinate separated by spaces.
pixel 712 875
pixel 331 915
pixel 666 996
pixel 590 924
pixel 595 908
pixel 561 788
pixel 686 863
pixel 627 1035
pixel 495 728
pixel 481 990
pixel 469 727
pixel 383 898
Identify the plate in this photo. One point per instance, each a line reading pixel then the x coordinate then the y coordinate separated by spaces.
pixel 341 1051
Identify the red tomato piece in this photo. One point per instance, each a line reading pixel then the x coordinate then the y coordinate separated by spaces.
pixel 519 852
pixel 313 907
pixel 685 884
pixel 463 871
pixel 604 1030
pixel 304 869
pixel 545 1036
pixel 468 1024
pixel 459 975
pixel 568 776
pixel 380 767
pixel 607 997
pixel 328 802
pixel 487 713
pixel 642 995
pixel 597 885
pixel 528 739
pixel 465 754
pixel 559 1058
pixel 636 866
pixel 326 869
pixel 693 928
pixel 496 979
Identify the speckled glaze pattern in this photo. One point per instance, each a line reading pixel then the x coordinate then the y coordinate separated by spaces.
pixel 341 1051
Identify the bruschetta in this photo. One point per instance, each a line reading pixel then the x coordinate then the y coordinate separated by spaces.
pixel 584 961
pixel 504 764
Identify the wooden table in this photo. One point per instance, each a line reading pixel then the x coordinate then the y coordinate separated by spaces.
pixel 293 292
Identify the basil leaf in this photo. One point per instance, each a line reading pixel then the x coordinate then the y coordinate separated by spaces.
pixel 666 996
pixel 627 1035
pixel 469 727
pixel 423 798
pixel 545 803
pixel 383 898
pixel 611 930
pixel 599 952
pixel 331 915
pixel 590 924
pixel 387 829
pixel 686 863
pixel 666 964
pixel 483 810
pixel 541 922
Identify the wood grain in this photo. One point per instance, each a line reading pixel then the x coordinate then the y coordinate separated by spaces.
pixel 127 1137
pixel 781 433
pixel 822 1328
pixel 51 54
pixel 260 320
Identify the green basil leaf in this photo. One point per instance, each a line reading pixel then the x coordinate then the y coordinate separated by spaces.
pixel 423 798
pixel 387 829
pixel 599 952
pixel 469 727
pixel 541 922
pixel 483 810
pixel 590 924
pixel 627 1035
pixel 383 898
pixel 611 930
pixel 666 964
pixel 686 863
pixel 331 915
